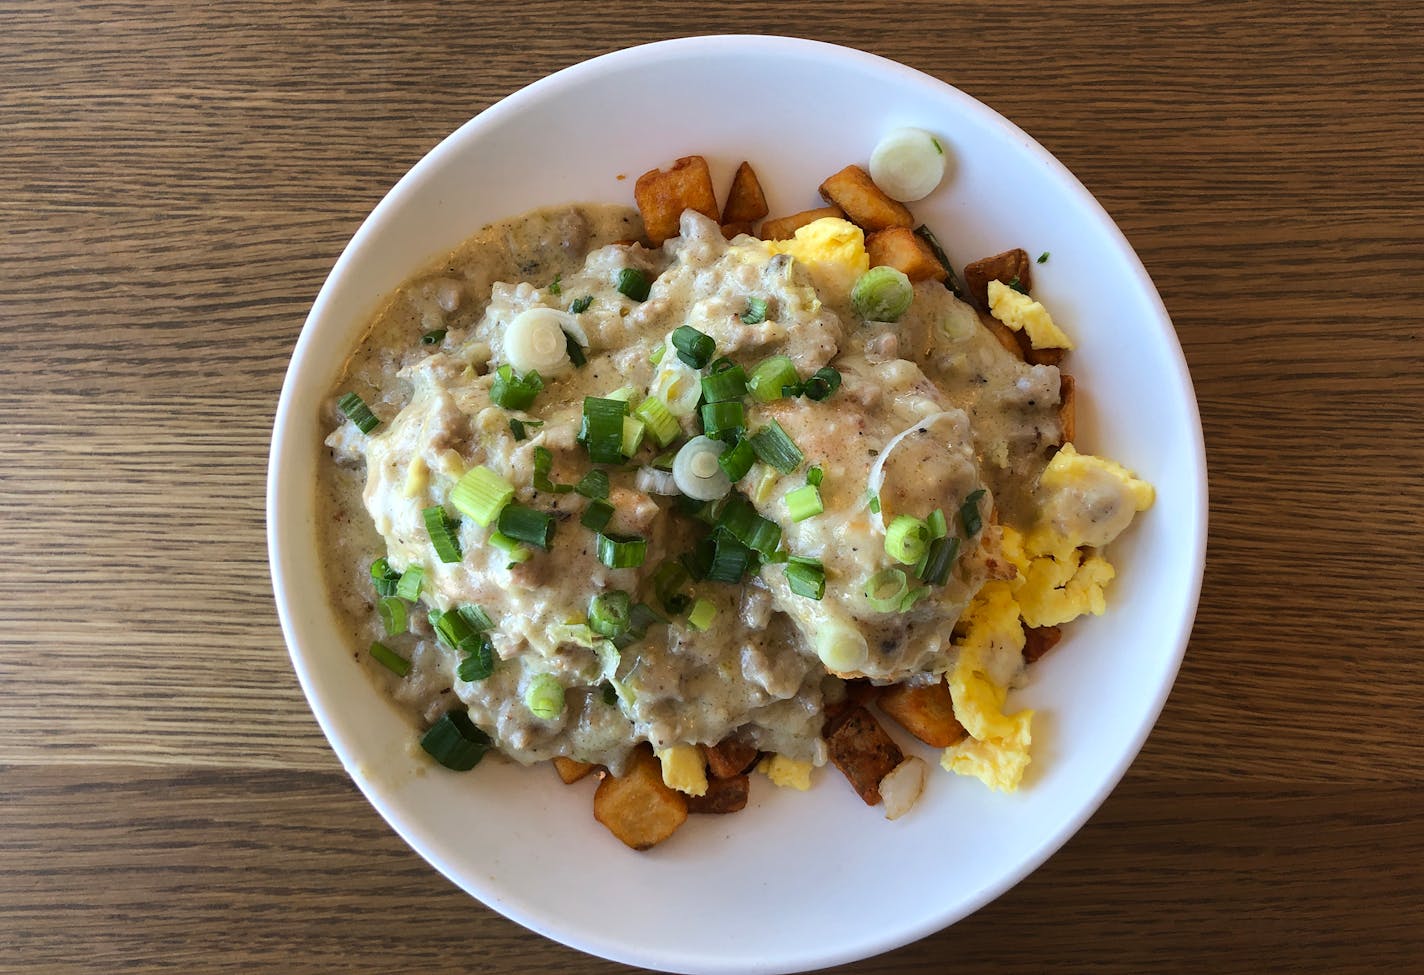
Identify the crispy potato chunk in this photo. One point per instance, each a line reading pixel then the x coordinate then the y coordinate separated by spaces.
pixel 784 228
pixel 745 201
pixel 570 770
pixel 1038 640
pixel 723 796
pixel 1039 357
pixel 729 758
pixel 636 807
pixel 855 192
pixel 662 195
pixel 863 752
pixel 1004 335
pixel 1068 407
pixel 730 230
pixel 925 711
pixel 1003 267
pixel 902 249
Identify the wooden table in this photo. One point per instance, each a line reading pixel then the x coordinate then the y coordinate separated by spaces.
pixel 177 181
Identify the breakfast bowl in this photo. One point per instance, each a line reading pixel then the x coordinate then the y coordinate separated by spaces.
pixel 806 879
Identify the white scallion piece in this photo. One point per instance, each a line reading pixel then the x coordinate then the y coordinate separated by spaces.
pixel 696 472
pixel 908 164
pixel 537 339
pixel 902 785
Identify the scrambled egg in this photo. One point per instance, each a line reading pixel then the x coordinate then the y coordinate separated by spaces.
pixel 1019 311
pixel 1055 592
pixel 833 251
pixel 1085 501
pixel 786 772
pixel 683 769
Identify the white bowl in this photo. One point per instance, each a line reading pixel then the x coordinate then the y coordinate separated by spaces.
pixel 796 881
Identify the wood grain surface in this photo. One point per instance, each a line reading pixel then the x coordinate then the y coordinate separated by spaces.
pixel 176 180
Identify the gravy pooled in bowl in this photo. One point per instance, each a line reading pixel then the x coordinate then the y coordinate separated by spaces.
pixel 729 507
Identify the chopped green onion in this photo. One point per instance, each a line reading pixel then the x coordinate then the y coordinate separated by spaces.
pixel 358 412
pixel 608 613
pixel 602 430
pixel 874 504
pixel 444 533
pixel 597 515
pixel 580 305
pixel 771 377
pixel 806 577
pixel 543 464
pixel 455 742
pixel 934 568
pixel 703 612
pixel 886 590
pixel 1018 285
pixel 574 351
pixel 937 524
pixel 664 461
pixel 516 427
pixel 625 393
pixel 906 539
pixel 513 391
pixel 882 294
pixel 410 582
pixel 951 280
pixel 727 559
pixel 640 617
pixel 822 384
pixel 392 610
pixel 478 662
pixel 657 355
pixel 721 364
pixel 727 418
pixel 693 347
pixel 661 423
pixel 668 580
pixel 969 513
pixel 724 384
pixel 433 337
pixel 476 616
pixel 738 460
pixel 544 697
pixel 804 502
pixel 774 447
pixel 1043 258
pixel 751 529
pixel 912 597
pixel 527 525
pixel 755 313
pixel 610 694
pixel 594 484
pixel 389 659
pixel 554 287
pixel 814 476
pixel 634 283
pixel 384 578
pixel 516 552
pixel 633 431
pixel 622 551
pixel 480 494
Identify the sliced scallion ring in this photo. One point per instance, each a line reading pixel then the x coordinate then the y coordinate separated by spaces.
pixel 393 613
pixel 804 502
pixel 411 581
pixel 693 347
pixel 886 590
pixel 608 613
pixel 841 648
pixel 907 164
pixel 906 539
pixel 527 525
pixel 536 340
pixel 544 697
pixel 481 494
pixel 444 532
pixel 773 446
pixel 771 377
pixel 882 294
pixel 358 412
pixel 389 659
pixel 662 425
pixel 696 471
pixel 622 551
pixel 455 742
pixel 701 616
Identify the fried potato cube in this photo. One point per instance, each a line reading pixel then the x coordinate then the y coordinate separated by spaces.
pixel 1038 640
pixel 570 770
pixel 925 711
pixel 730 230
pixel 745 201
pixel 1006 268
pixel 1039 357
pixel 723 796
pixel 865 204
pixel 902 249
pixel 729 758
pixel 863 752
pixel 1004 335
pixel 1068 407
pixel 662 195
pixel 636 807
pixel 784 228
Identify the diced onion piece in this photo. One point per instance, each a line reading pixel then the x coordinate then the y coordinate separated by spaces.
pixel 696 471
pixel 841 648
pixel 536 339
pixel 882 294
pixel 908 164
pixel 901 787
